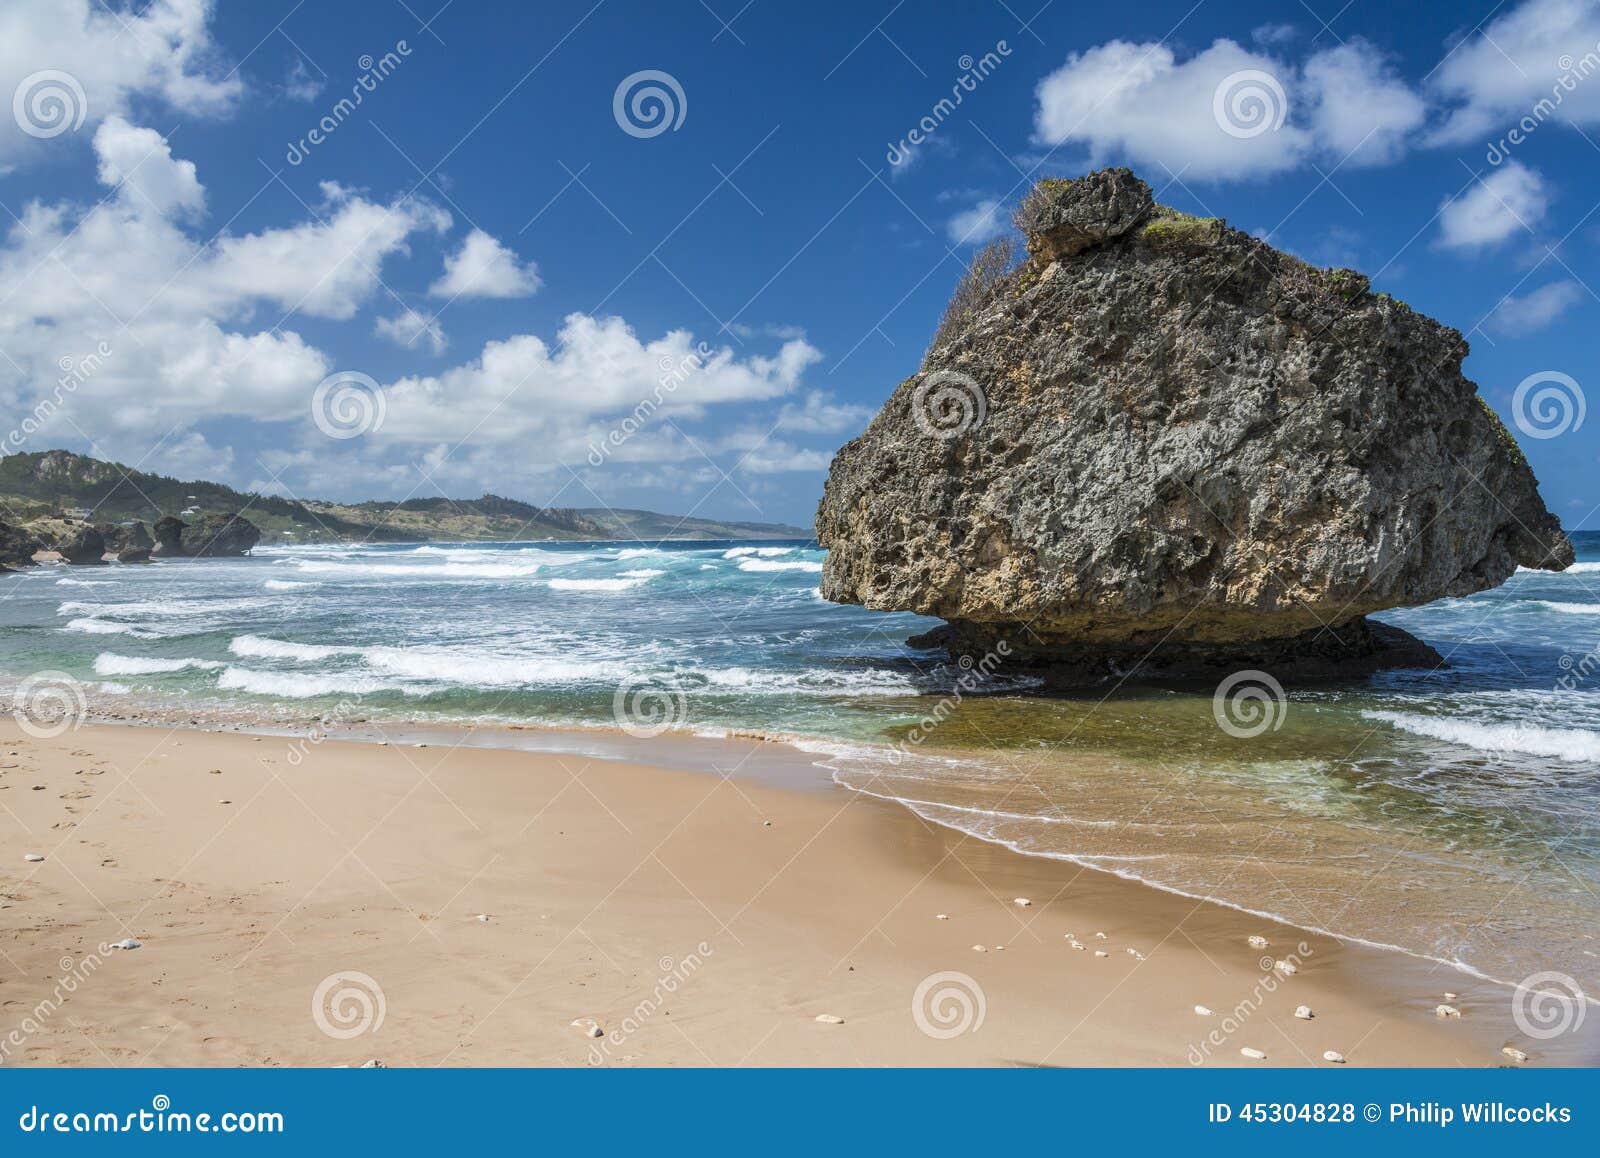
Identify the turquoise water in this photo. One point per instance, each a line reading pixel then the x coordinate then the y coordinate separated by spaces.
pixel 1450 813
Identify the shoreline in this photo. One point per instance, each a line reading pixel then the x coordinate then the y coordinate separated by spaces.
pixel 842 920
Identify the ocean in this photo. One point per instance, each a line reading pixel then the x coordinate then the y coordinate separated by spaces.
pixel 1450 814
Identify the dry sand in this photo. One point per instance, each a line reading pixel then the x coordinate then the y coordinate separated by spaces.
pixel 700 918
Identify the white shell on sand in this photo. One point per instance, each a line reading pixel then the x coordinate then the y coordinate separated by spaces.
pixel 1101 953
pixel 590 1027
pixel 999 948
pixel 1202 1010
pixel 1287 968
pixel 1451 996
pixel 1447 1011
pixel 1253 1053
pixel 979 949
pixel 1135 954
pixel 829 1019
pixel 1099 936
pixel 1024 902
pixel 1514 1053
pixel 1258 942
pixel 942 917
pixel 1303 1012
pixel 482 917
pixel 125 943
pixel 32 856
pixel 1333 1056
pixel 1076 944
pixel 373 1063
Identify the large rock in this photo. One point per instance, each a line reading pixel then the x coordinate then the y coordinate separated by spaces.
pixel 1160 439
pixel 209 535
pixel 17 546
pixel 124 536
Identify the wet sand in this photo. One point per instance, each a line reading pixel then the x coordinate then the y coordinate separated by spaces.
pixel 285 894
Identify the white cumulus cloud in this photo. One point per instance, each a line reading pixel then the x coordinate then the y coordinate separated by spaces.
pixel 1510 200
pixel 484 268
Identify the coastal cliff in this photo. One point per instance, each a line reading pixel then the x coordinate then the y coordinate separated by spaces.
pixel 1160 444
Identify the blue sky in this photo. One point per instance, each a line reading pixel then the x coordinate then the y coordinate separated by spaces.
pixel 486 242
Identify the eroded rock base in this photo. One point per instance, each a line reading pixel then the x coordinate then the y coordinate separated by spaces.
pixel 1353 649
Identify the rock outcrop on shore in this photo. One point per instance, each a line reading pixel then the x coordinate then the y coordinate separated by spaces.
pixel 210 535
pixel 17 546
pixel 1161 443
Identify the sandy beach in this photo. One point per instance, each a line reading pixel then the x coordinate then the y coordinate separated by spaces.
pixel 298 903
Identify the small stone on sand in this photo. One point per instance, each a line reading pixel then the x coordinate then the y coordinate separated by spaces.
pixel 1099 936
pixel 1303 1012
pixel 1202 1010
pixel 125 943
pixel 999 948
pixel 32 856
pixel 1253 1053
pixel 1076 944
pixel 766 824
pixel 829 1019
pixel 1333 1056
pixel 1101 953
pixel 1447 1011
pixel 484 917
pixel 1258 942
pixel 1514 1053
pixel 1451 996
pixel 589 1025
pixel 373 1063
pixel 1021 902
pixel 979 949
pixel 941 916
pixel 1287 968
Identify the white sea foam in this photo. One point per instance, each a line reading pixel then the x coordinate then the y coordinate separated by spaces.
pixel 160 607
pixel 490 669
pixel 1574 744
pixel 1568 608
pixel 594 584
pixel 109 663
pixel 101 627
pixel 294 686
pixel 446 572
pixel 779 565
pixel 83 582
pixel 639 552
pixel 1575 569
pixel 287 585
pixel 646 573
pixel 259 647
pixel 757 552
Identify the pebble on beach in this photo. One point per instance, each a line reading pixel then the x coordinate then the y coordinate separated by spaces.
pixel 32 856
pixel 1257 941
pixel 589 1025
pixel 125 943
pixel 1303 1012
pixel 941 916
pixel 1253 1053
pixel 979 949
pixel 1099 936
pixel 1447 1011
pixel 829 1019
pixel 1021 902
pixel 1333 1056
pixel 1202 1010
pixel 1287 968
pixel 1076 944
pixel 1514 1053
pixel 1101 953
